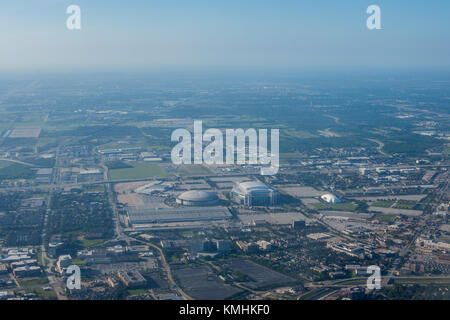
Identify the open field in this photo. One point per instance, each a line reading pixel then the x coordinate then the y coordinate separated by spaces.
pixel 409 197
pixel 405 205
pixel 33 282
pixel 131 199
pixel 87 243
pixel 129 186
pixel 310 201
pixel 139 170
pixel 25 133
pixel 43 294
pixel 383 204
pixel 345 206
pixel 186 169
pixel 15 171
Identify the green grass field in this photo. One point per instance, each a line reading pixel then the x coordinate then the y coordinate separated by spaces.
pixel 383 204
pixel 343 206
pixel 139 170
pixel 33 282
pixel 405 205
pixel 187 233
pixel 43 294
pixel 193 170
pixel 136 292
pixel 78 262
pixel 41 262
pixel 87 243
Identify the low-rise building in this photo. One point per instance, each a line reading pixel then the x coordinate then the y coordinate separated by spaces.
pixel 27 271
pixel 264 245
pixel 3 269
pixel 132 278
pixel 223 245
pixel 347 249
pixel 64 261
pixel 330 198
pixel 23 263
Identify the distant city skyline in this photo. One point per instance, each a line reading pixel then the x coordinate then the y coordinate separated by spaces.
pixel 207 34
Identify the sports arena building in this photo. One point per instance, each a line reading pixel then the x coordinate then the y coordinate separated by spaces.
pixel 197 198
pixel 254 193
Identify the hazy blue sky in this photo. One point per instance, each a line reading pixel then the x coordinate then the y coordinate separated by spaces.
pixel 229 33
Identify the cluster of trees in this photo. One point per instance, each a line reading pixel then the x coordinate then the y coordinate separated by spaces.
pixel 85 214
pixel 20 227
pixel 16 171
pixel 117 164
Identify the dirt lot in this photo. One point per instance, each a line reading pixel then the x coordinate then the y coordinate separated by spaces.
pixel 131 199
pixel 128 187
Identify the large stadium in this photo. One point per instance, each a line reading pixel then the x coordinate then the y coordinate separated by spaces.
pixel 197 198
pixel 254 193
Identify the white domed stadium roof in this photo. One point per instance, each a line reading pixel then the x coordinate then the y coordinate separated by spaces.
pixel 198 196
pixel 330 198
pixel 248 186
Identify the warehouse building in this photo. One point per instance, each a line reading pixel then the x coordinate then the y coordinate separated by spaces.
pixel 167 215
